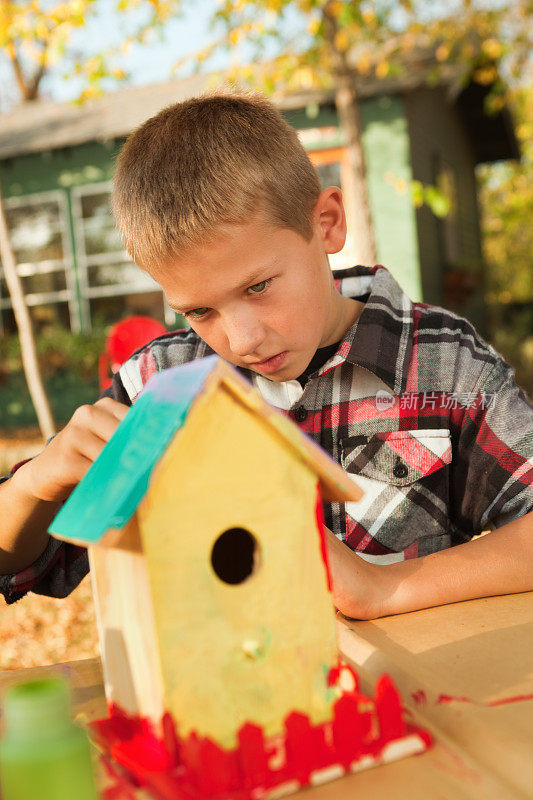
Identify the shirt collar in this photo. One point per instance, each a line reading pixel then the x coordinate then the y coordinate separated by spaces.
pixel 381 339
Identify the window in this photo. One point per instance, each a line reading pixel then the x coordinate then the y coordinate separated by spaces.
pixel 38 232
pixel 112 286
pixel 329 174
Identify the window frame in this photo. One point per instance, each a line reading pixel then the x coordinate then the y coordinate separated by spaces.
pixel 26 269
pixel 85 261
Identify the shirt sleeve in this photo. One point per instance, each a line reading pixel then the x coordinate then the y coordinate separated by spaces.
pixel 492 472
pixel 55 573
pixel 62 565
pixel 117 391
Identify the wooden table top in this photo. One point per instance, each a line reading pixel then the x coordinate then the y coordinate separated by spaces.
pixel 465 672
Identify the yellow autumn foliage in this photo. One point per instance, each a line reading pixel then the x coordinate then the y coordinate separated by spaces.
pixel 492 48
pixel 38 33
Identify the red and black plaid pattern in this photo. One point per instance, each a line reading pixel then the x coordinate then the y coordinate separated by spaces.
pixel 414 405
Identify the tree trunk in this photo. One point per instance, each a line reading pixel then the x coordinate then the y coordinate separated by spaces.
pixel 28 86
pixel 347 105
pixel 27 342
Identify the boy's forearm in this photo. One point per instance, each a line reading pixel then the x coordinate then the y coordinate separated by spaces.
pixel 501 562
pixel 30 498
pixel 24 521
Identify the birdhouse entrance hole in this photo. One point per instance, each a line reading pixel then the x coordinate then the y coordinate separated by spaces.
pixel 235 555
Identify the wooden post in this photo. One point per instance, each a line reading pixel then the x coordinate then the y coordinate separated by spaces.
pixel 27 342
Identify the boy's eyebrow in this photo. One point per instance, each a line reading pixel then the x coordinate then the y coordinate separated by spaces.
pixel 255 277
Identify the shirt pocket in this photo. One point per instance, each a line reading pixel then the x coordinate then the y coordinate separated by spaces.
pixel 405 477
pixel 397 457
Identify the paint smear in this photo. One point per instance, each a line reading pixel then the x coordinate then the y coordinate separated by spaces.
pixel 419 698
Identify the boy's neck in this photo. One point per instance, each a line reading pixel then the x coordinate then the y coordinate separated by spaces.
pixel 347 311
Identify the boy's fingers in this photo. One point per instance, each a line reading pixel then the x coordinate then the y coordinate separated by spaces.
pixel 77 470
pixel 89 446
pixel 100 419
pixel 52 474
pixel 119 410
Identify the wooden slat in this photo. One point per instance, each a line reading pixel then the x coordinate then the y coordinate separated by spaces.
pixel 126 631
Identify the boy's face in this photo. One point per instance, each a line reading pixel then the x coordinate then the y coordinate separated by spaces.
pixel 262 297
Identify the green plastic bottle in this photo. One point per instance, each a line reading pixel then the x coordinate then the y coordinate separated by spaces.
pixel 43 754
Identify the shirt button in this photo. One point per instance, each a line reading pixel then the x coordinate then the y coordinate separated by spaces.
pixel 300 415
pixel 400 470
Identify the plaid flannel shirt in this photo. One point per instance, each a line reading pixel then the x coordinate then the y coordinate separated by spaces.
pixel 422 412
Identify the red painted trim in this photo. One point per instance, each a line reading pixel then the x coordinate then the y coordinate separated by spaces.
pixel 319 514
pixel 197 768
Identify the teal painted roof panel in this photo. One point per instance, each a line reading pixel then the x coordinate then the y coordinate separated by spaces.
pixel 110 492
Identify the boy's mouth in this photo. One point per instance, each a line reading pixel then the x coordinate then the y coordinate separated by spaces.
pixel 271 364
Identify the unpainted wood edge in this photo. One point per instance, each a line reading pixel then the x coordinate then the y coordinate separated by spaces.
pixel 148 696
pixel 93 572
pixel 126 538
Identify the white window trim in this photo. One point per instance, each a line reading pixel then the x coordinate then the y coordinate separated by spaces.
pixel 41 299
pixel 26 269
pixel 116 290
pixel 85 261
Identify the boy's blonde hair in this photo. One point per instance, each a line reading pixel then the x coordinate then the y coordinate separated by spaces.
pixel 206 162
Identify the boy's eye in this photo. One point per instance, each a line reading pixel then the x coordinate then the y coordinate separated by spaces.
pixel 259 287
pixel 196 313
pixel 200 313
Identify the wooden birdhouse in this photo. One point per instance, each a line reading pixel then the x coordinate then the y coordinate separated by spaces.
pixel 203 519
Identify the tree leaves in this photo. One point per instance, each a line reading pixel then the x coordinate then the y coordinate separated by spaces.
pixel 507 209
pixel 35 34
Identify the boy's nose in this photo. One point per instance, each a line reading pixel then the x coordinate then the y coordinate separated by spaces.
pixel 245 335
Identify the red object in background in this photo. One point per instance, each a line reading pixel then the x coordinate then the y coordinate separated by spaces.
pixel 124 338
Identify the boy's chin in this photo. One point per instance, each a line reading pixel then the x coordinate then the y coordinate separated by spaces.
pixel 282 375
pixel 279 377
pixel 287 372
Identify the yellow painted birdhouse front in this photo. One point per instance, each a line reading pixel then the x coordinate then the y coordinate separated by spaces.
pixel 232 592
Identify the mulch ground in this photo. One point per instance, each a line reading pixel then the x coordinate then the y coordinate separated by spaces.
pixel 42 630
pixel 16 445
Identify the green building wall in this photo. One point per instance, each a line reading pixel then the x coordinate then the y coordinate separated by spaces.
pixel 389 175
pixel 58 169
pixel 387 154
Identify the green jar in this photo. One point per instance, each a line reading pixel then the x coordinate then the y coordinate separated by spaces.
pixel 43 754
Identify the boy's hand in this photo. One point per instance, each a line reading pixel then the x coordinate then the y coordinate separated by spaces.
pixel 53 474
pixel 357 586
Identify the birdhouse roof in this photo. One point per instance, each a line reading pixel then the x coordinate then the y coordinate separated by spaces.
pixel 115 484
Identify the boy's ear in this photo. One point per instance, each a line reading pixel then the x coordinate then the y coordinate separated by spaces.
pixel 330 219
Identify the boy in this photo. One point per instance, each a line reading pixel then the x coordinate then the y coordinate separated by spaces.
pixel 217 200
